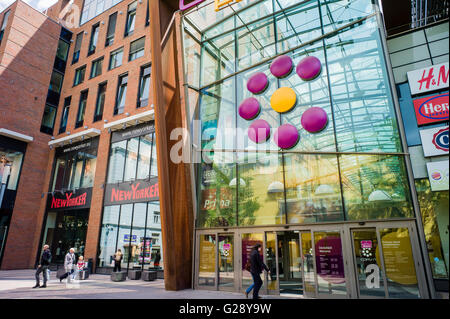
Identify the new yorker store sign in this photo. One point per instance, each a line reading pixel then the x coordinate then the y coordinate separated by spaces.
pixel 73 199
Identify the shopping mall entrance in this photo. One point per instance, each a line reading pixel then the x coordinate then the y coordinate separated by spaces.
pixel 360 260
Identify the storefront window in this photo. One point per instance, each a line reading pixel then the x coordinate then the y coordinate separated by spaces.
pixel 131 159
pixel 138 235
pixel 145 150
pixel 375 187
pixel 10 166
pixel 117 161
pixel 217 203
pixel 434 210
pixel 108 236
pixel 261 191
pixel 124 240
pixel 312 188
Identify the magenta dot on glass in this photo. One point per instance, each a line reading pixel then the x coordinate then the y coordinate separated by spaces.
pixel 314 119
pixel 257 83
pixel 249 108
pixel 286 136
pixel 309 68
pixel 281 66
pixel 259 131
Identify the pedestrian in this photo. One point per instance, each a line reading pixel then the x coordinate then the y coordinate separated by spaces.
pixel 69 260
pixel 43 266
pixel 118 256
pixel 79 267
pixel 157 260
pixel 256 268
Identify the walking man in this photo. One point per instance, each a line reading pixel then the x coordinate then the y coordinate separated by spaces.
pixel 69 260
pixel 256 268
pixel 43 266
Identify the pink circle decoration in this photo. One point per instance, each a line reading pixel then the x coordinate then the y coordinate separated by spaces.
pixel 314 119
pixel 259 131
pixel 257 83
pixel 282 66
pixel 249 108
pixel 309 68
pixel 286 136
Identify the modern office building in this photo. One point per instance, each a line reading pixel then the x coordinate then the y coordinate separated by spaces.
pixel 298 132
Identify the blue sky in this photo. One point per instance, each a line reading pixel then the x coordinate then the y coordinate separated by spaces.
pixel 37 4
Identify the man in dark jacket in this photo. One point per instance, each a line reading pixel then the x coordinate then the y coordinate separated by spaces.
pixel 43 266
pixel 256 268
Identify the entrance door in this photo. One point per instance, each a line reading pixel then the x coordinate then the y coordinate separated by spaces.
pixel 386 265
pixel 289 263
pixel 226 262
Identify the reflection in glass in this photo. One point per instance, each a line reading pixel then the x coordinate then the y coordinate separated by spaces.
pixel 207 260
pixel 369 271
pixel 312 188
pixel 434 211
pixel 261 200
pixel 117 161
pixel 399 263
pixel 375 187
pixel 108 236
pixel 145 148
pixel 131 161
pixel 217 203
pixel 309 279
pixel 125 241
pixel 138 234
pixel 271 262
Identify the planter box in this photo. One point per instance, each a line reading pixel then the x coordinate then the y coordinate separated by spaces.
pixel 83 275
pixel 149 275
pixel 119 276
pixel 134 274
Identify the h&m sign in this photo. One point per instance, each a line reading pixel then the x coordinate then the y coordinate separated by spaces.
pixel 428 79
pixel 135 192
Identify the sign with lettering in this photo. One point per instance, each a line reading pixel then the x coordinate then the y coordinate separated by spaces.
pixel 135 131
pixel 79 199
pixel 435 141
pixel 329 260
pixel 438 175
pixel 428 79
pixel 78 147
pixel 431 109
pixel 135 192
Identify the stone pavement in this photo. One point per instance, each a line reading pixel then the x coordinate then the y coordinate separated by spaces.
pixel 16 284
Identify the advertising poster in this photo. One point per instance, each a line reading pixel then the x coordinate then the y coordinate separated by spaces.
pixel 329 261
pixel 146 251
pixel 438 175
pixel 435 141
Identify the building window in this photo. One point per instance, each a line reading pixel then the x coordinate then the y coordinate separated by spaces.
pixel 147 15
pixel 131 18
pixel 81 109
pixel 99 105
pixel 144 86
pixel 65 114
pixel 94 39
pixel 137 49
pixel 115 59
pixel 56 82
pixel 4 23
pixel 93 8
pixel 63 50
pixel 121 94
pixel 76 51
pixel 111 29
pixel 10 167
pixel 79 75
pixel 48 119
pixel 96 68
pixel 156 218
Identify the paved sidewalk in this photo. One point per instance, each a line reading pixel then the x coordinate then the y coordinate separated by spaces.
pixel 16 284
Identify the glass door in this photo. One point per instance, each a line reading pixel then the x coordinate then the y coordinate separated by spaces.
pixel 289 263
pixel 226 262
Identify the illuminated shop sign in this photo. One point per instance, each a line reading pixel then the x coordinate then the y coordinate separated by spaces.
pixel 218 4
pixel 435 141
pixel 78 199
pixel 431 109
pixel 127 193
pixel 428 79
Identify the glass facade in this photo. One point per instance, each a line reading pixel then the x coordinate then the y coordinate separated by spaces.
pixel 353 169
pixel 133 227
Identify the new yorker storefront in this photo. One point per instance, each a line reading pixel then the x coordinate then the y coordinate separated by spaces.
pixel 329 200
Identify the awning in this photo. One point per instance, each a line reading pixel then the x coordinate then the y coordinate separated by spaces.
pixel 75 137
pixel 16 135
pixel 131 120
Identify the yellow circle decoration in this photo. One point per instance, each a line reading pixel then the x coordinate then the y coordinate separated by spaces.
pixel 283 100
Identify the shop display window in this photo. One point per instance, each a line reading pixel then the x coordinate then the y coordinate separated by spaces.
pixel 10 166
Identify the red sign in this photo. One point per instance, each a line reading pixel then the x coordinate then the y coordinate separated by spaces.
pixel 125 193
pixel 70 199
pixel 431 109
